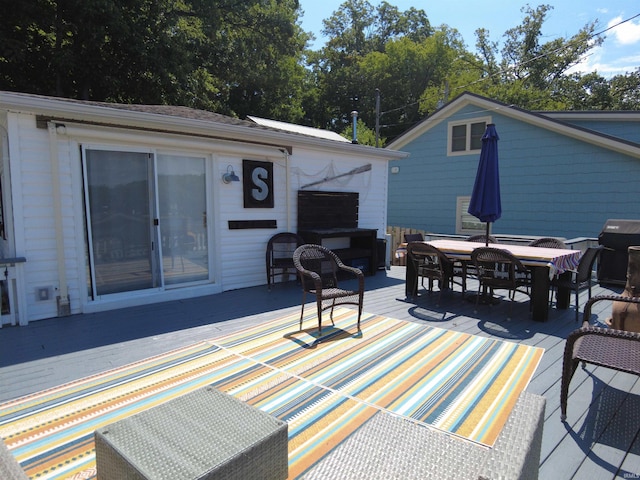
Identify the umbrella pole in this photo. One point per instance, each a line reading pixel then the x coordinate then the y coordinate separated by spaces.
pixel 486 298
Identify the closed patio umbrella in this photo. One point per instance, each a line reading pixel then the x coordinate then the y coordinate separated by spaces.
pixel 485 198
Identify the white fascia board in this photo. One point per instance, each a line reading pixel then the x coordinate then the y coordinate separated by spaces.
pixel 70 110
pixel 543 121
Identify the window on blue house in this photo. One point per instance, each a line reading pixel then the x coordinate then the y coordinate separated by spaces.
pixel 467 224
pixel 466 137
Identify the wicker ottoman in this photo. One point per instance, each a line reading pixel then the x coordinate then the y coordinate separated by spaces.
pixel 205 434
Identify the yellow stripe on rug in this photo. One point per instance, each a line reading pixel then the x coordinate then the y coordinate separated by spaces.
pixel 324 386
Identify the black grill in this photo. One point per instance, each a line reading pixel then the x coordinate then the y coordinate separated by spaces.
pixel 617 236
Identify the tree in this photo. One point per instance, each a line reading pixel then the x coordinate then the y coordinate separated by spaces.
pixel 525 72
pixel 625 91
pixel 403 72
pixel 232 57
pixel 364 135
pixel 344 68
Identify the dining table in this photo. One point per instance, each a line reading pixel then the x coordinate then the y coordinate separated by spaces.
pixel 544 263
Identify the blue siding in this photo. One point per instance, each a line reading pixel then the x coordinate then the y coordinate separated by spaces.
pixel 550 184
pixel 629 131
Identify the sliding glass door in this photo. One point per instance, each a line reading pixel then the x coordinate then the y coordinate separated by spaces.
pixel 146 221
pixel 183 220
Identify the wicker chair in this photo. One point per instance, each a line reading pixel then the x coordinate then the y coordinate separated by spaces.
pixel 548 242
pixel 482 239
pixel 606 347
pixel 413 237
pixel 580 278
pixel 499 270
pixel 431 263
pixel 319 269
pixel 280 250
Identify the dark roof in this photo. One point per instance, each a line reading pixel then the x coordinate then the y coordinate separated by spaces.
pixel 178 111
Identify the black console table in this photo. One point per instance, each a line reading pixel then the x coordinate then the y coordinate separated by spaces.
pixel 360 252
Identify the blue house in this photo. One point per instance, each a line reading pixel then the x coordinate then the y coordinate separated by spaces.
pixel 562 174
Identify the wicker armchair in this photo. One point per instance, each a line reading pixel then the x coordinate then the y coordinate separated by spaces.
pixel 499 270
pixel 482 239
pixel 279 259
pixel 579 279
pixel 548 242
pixel 319 270
pixel 431 263
pixel 606 347
pixel 413 237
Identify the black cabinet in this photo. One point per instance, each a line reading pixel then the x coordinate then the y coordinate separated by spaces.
pixel 355 246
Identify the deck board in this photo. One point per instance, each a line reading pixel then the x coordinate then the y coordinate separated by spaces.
pixel 600 440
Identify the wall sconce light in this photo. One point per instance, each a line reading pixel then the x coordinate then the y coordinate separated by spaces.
pixel 230 175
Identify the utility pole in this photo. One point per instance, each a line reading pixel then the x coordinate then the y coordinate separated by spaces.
pixel 377 116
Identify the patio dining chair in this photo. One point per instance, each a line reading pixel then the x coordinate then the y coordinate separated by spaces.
pixel 605 347
pixel 500 270
pixel 431 263
pixel 319 270
pixel 279 259
pixel 548 242
pixel 579 278
pixel 482 239
pixel 413 237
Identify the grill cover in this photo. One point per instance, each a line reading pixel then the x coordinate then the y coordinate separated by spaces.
pixel 617 236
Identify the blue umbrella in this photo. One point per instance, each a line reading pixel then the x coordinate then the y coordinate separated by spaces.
pixel 485 198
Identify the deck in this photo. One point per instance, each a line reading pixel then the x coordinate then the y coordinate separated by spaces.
pixel 600 441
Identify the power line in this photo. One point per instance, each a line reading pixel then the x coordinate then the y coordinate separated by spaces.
pixel 506 70
pixel 559 49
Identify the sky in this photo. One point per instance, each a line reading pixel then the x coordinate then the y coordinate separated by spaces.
pixel 619 54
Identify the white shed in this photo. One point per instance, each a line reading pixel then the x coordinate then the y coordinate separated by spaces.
pixel 107 206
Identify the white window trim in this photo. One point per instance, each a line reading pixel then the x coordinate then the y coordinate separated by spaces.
pixel 450 153
pixel 462 204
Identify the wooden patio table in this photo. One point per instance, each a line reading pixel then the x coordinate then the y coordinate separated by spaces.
pixel 544 263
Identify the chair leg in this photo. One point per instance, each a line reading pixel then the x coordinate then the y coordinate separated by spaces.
pixel 319 303
pixel 577 295
pixel 478 298
pixel 304 295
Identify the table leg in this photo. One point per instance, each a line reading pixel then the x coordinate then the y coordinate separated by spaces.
pixel 411 282
pixel 563 295
pixel 540 285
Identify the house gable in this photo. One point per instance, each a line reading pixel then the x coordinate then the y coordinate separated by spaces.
pixel 576 130
pixel 556 179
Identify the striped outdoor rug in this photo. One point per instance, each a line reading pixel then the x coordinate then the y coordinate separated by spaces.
pixel 460 383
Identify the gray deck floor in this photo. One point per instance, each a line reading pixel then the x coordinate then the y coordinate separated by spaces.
pixel 599 441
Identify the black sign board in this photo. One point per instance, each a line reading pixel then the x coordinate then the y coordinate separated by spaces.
pixel 257 183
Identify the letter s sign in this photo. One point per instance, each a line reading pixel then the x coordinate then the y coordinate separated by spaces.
pixel 257 184
pixel 261 190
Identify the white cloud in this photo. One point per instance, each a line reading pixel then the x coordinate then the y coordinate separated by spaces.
pixel 627 33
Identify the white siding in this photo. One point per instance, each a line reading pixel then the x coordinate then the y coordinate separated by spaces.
pixel 238 256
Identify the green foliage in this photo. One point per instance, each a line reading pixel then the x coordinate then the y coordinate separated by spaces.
pixel 250 57
pixel 233 57
pixel 364 135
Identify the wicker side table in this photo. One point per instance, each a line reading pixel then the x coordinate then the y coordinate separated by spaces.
pixel 205 434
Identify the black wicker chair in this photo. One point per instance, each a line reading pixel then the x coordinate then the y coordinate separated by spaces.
pixel 580 278
pixel 431 263
pixel 482 239
pixel 499 270
pixel 280 250
pixel 413 237
pixel 548 242
pixel 605 347
pixel 319 269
